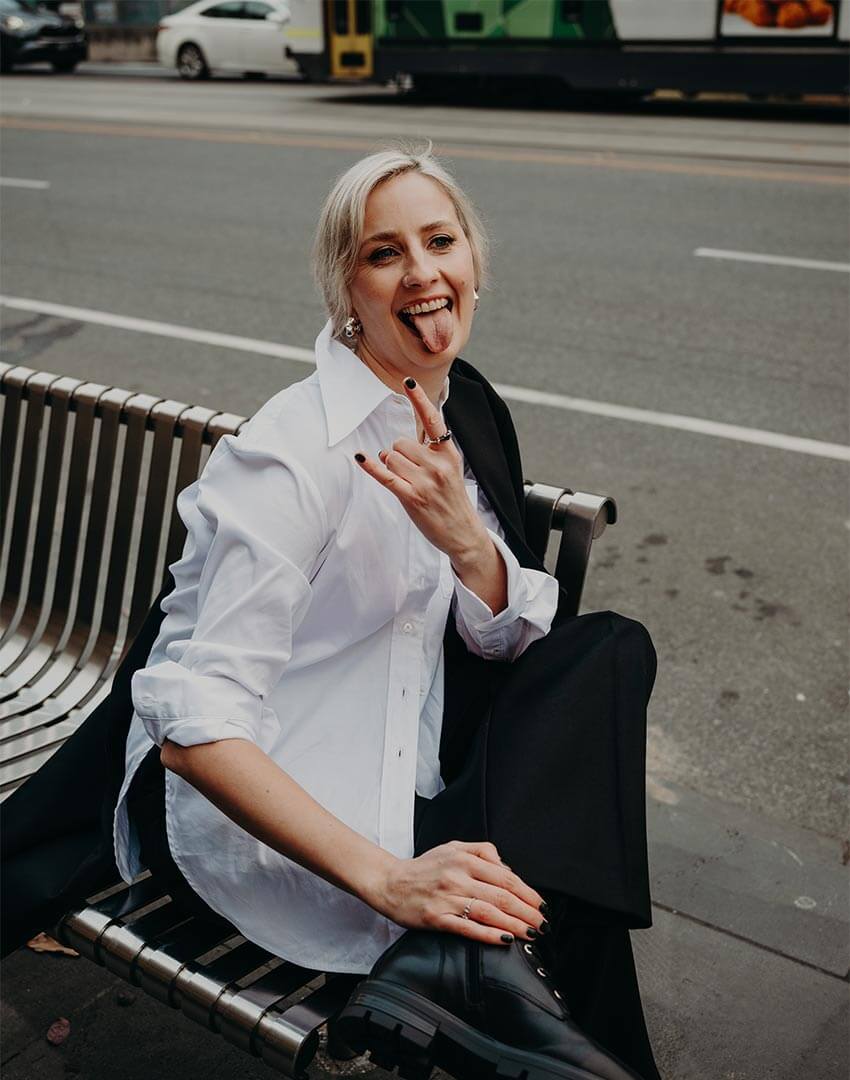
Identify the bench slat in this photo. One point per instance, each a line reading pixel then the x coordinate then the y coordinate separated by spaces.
pixel 238 1013
pixel 84 403
pixel 157 969
pixel 61 390
pixel 35 385
pixel 194 422
pixel 13 396
pixel 240 962
pixel 287 1039
pixel 146 583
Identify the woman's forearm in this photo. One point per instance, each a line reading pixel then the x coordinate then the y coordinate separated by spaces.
pixel 244 783
pixel 482 570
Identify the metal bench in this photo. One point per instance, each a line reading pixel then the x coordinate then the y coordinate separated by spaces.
pixel 89 475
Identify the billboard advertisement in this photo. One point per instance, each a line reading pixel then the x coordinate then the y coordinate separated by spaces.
pixel 777 18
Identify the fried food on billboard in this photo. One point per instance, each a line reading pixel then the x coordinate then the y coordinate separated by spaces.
pixel 776 17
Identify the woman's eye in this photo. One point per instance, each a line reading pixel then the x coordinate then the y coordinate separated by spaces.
pixel 442 243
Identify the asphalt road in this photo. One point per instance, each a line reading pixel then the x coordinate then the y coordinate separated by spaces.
pixel 195 206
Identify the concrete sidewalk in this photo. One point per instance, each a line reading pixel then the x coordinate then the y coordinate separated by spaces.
pixel 744 974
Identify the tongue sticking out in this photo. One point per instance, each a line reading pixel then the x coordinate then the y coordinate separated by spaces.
pixel 435 329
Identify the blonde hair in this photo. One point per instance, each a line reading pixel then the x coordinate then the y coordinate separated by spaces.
pixel 340 227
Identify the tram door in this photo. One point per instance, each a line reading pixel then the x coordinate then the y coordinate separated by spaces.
pixel 350 38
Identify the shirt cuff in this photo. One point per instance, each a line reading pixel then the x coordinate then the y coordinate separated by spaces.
pixel 475 613
pixel 186 708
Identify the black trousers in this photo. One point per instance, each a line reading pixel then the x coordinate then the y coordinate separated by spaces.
pixel 556 780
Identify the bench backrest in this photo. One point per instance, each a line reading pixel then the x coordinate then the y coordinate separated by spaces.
pixel 89 476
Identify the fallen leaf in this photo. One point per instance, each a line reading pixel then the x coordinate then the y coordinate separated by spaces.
pixel 59 1031
pixel 45 943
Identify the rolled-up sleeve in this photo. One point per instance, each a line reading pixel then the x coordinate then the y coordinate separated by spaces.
pixel 532 602
pixel 255 527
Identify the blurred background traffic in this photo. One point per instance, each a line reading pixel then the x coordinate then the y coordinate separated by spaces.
pixel 666 185
pixel 632 47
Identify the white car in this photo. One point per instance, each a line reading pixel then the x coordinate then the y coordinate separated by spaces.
pixel 245 36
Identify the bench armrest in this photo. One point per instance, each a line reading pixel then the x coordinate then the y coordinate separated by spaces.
pixel 580 517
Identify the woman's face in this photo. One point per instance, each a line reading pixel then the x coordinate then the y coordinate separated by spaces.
pixel 413 251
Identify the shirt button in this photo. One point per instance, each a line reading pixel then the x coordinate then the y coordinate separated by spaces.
pixel 407 628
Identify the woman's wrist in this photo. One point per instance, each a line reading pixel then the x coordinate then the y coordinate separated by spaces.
pixel 467 557
pixel 370 881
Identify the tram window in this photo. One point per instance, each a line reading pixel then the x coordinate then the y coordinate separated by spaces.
pixel 363 16
pixel 471 22
pixel 340 9
pixel 393 10
pixel 571 10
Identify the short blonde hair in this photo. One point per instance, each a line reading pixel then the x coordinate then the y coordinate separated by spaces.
pixel 340 227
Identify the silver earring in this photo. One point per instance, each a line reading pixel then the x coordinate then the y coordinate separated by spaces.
pixel 476 298
pixel 352 327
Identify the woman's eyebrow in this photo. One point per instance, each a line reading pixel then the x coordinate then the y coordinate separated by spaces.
pixel 391 234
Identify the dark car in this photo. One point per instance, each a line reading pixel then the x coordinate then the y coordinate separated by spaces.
pixel 30 34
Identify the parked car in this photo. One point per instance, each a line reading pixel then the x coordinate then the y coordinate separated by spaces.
pixel 244 36
pixel 31 34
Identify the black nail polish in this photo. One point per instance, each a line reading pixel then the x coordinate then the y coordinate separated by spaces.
pixel 544 908
pixel 545 927
pixel 532 933
pixel 359 458
pixel 410 383
pixel 507 938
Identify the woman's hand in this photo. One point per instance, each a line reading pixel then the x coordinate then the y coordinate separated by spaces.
pixel 428 482
pixel 431 891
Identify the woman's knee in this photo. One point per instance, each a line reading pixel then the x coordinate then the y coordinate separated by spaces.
pixel 632 631
pixel 611 626
pixel 627 640
pixel 634 643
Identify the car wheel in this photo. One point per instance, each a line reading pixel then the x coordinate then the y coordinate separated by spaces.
pixel 63 67
pixel 191 63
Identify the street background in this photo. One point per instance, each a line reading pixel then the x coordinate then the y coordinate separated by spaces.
pixel 618 281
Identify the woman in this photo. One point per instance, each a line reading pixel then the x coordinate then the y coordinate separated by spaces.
pixel 370 714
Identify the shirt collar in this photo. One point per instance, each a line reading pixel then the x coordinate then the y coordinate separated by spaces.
pixel 350 390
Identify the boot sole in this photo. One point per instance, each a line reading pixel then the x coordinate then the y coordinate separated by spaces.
pixel 401 1028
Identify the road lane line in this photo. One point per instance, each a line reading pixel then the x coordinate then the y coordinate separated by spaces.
pixel 694 424
pixel 13 181
pixel 162 329
pixel 525 395
pixel 773 260
pixel 806 174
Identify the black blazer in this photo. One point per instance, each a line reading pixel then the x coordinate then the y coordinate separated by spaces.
pixel 484 429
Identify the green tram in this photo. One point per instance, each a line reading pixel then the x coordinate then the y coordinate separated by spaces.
pixel 631 46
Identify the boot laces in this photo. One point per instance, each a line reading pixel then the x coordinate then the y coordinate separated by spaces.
pixel 534 953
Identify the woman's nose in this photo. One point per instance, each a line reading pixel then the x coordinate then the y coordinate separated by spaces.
pixel 420 270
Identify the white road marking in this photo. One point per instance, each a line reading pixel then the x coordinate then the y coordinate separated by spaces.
pixel 758 436
pixel 526 395
pixel 773 260
pixel 12 181
pixel 162 329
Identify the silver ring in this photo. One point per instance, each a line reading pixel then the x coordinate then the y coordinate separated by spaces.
pixel 439 438
pixel 467 908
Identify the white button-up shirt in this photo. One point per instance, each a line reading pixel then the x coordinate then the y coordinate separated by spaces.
pixel 307 616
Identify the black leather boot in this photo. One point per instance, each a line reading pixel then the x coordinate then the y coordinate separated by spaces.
pixel 477 1011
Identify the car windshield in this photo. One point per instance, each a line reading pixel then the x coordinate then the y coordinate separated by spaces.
pixel 9 7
